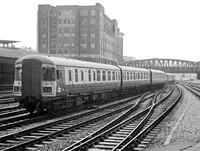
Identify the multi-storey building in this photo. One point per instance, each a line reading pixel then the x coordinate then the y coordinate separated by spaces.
pixel 82 32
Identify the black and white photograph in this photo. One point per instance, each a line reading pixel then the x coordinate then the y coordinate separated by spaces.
pixel 100 75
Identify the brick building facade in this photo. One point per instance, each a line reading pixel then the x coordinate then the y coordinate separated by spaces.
pixel 82 32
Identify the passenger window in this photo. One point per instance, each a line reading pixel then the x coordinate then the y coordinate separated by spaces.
pixel 70 75
pixel 76 75
pixel 119 76
pixel 104 75
pixel 109 76
pixel 98 75
pixel 89 75
pixel 127 75
pixel 94 76
pixel 124 75
pixel 113 75
pixel 82 75
pixel 59 74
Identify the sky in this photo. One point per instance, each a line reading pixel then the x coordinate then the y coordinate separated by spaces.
pixel 152 28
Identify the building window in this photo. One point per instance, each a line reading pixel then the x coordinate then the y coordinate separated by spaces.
pixel 83 39
pixel 83 46
pixel 92 30
pixel 92 45
pixel 92 21
pixel 43 45
pixel 93 12
pixel 72 30
pixel 66 29
pixel 83 30
pixel 84 12
pixel 92 40
pixel 84 21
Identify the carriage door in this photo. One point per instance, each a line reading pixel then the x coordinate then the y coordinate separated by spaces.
pixel 31 78
pixel 69 78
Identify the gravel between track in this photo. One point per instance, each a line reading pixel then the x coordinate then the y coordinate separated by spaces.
pixel 188 131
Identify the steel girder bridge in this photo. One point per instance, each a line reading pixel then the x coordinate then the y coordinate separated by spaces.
pixel 167 65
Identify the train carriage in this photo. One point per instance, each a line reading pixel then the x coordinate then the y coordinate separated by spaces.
pixel 170 77
pixel 40 80
pixel 52 83
pixel 134 77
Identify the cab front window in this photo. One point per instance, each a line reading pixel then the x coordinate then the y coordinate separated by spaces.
pixel 18 73
pixel 48 73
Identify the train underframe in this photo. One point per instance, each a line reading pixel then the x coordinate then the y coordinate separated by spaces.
pixel 71 102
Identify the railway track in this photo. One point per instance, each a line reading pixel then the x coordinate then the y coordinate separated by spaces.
pixel 21 120
pixel 7 109
pixel 118 136
pixel 16 112
pixel 192 88
pixel 7 100
pixel 46 131
pixel 25 119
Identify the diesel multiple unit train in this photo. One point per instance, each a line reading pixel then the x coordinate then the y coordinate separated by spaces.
pixel 52 83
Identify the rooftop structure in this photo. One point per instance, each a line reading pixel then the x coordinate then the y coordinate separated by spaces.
pixel 8 43
pixel 81 32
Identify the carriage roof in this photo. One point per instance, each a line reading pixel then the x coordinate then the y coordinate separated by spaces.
pixel 135 69
pixel 157 71
pixel 61 61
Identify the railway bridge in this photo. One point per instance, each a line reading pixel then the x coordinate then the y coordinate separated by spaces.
pixel 167 65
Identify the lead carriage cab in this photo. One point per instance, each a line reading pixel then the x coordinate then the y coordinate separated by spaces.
pixel 34 80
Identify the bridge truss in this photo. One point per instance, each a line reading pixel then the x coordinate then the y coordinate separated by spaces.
pixel 166 65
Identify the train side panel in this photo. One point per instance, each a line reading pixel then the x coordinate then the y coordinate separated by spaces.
pixel 158 77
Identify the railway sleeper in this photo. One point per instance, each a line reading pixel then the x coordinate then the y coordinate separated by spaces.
pixel 30 148
pixel 115 138
pixel 103 146
pixel 119 135
pixel 142 145
pixel 112 140
pixel 138 149
pixel 108 143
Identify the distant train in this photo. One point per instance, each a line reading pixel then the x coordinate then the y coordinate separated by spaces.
pixel 52 83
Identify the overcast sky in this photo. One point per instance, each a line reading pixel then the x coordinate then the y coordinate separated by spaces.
pixel 152 28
